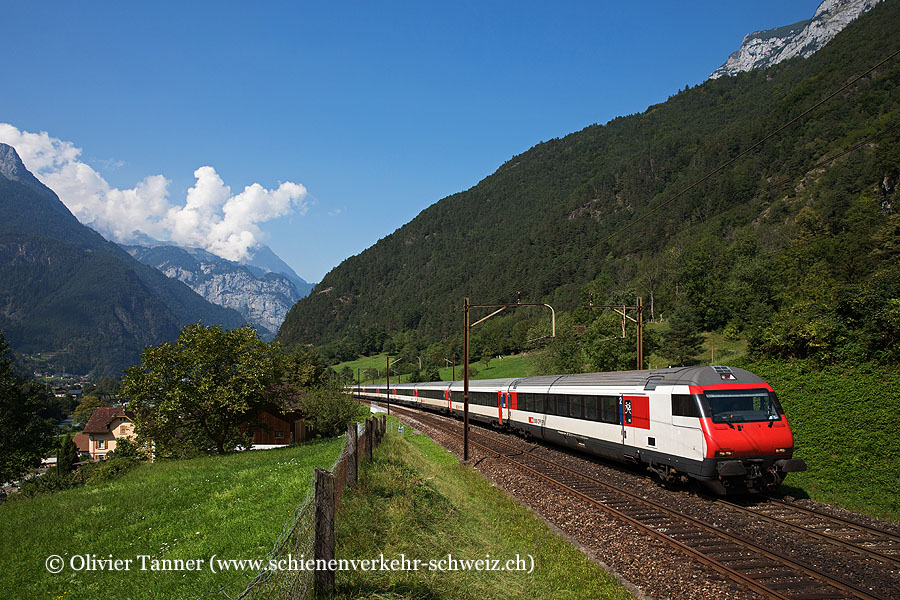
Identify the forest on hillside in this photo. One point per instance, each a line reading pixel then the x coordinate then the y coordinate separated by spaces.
pixel 789 240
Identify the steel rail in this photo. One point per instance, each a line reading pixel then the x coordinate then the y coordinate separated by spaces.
pixel 830 538
pixel 849 522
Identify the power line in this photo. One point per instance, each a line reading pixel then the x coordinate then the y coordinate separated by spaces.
pixel 826 160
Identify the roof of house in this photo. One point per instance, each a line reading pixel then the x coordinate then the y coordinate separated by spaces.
pixel 82 441
pixel 103 416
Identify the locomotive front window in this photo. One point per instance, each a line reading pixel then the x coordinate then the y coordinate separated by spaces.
pixel 741 406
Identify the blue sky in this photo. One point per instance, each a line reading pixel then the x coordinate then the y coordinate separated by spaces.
pixel 378 109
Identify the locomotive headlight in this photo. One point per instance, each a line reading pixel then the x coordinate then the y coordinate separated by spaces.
pixel 724 453
pixel 781 450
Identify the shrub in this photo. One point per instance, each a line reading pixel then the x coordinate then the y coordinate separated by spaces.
pixel 128 448
pixel 327 409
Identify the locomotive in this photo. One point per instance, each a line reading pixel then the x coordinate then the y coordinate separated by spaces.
pixel 720 426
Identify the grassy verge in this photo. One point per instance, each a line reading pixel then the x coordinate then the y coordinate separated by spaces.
pixel 844 423
pixel 518 365
pixel 233 507
pixel 416 500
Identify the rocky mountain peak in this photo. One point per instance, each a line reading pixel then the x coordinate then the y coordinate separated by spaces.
pixel 260 296
pixel 762 49
pixel 11 166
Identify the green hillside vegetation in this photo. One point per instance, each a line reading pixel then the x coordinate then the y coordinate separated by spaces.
pixel 792 246
pixel 168 510
pixel 844 424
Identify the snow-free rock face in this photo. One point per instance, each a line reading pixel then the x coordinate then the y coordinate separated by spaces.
pixel 762 49
pixel 262 298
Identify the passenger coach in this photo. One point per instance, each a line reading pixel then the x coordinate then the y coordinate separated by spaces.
pixel 721 426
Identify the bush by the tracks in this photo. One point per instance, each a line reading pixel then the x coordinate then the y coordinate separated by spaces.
pixel 327 409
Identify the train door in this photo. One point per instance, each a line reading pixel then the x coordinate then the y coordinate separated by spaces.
pixel 502 406
pixel 449 403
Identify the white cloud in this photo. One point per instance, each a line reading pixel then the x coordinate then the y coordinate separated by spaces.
pixel 211 217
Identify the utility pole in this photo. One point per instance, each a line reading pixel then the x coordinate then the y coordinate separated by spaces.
pixel 387 372
pixel 638 320
pixel 500 308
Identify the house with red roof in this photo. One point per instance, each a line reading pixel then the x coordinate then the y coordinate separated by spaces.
pixel 106 425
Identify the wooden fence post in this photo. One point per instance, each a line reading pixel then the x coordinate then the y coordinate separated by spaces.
pixel 370 433
pixel 324 531
pixel 351 454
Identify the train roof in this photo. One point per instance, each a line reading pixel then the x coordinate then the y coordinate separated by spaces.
pixel 648 379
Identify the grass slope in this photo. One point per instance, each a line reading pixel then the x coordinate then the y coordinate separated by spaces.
pixel 416 500
pixel 233 506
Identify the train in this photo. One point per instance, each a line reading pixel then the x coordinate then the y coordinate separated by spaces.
pixel 719 426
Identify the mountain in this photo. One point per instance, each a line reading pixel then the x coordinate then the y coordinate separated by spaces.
pixel 762 49
pixel 263 258
pixel 795 239
pixel 263 298
pixel 65 290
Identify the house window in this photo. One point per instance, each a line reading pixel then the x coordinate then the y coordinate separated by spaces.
pixel 101 444
pixel 279 435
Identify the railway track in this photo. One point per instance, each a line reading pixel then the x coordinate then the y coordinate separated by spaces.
pixel 882 546
pixel 765 571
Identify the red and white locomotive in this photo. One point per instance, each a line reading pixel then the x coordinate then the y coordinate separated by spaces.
pixel 721 426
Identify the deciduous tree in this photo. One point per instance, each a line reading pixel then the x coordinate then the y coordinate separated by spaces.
pixel 25 434
pixel 193 395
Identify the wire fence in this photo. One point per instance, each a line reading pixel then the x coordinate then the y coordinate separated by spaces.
pixel 298 541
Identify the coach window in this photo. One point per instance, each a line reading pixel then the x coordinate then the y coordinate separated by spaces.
pixel 609 409
pixel 575 405
pixel 549 404
pixel 590 408
pixel 562 405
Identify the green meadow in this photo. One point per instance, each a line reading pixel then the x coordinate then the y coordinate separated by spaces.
pixel 233 507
